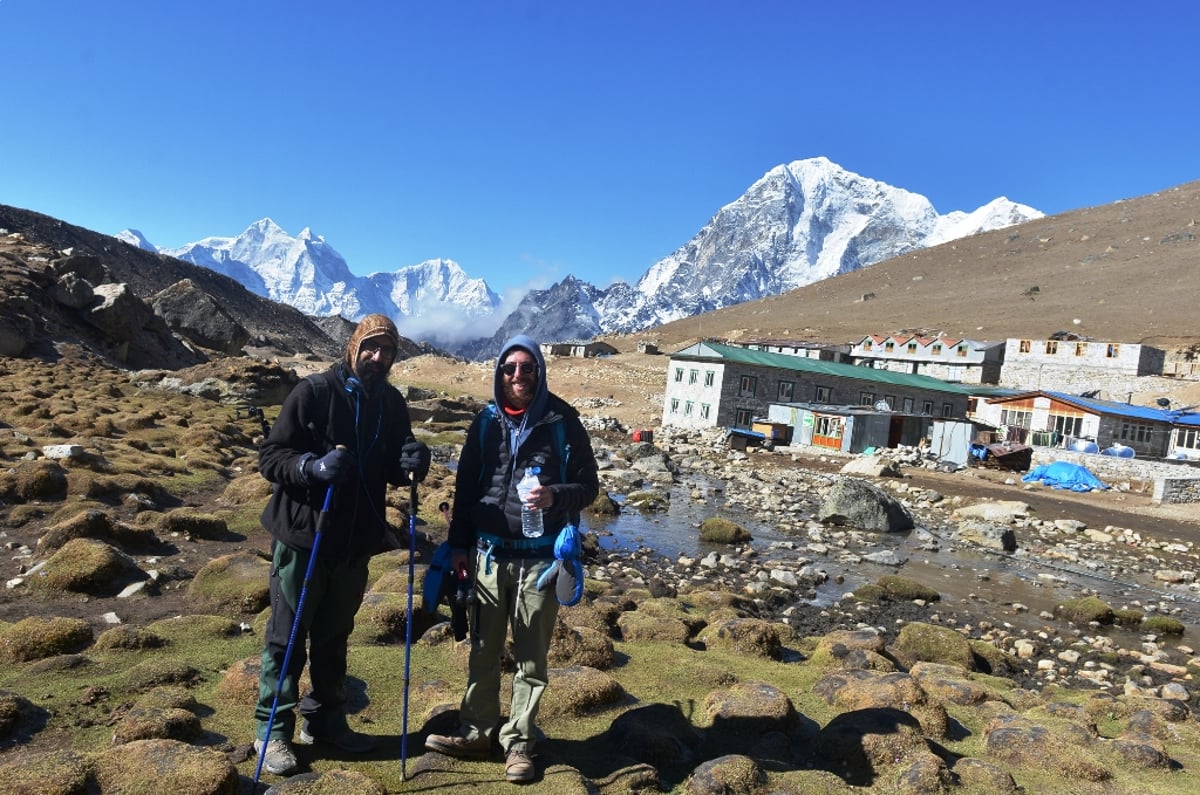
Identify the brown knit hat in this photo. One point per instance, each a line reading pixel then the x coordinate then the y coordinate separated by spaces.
pixel 370 326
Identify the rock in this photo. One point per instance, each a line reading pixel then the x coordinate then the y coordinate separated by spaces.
pixel 166 766
pixel 997 511
pixel 859 504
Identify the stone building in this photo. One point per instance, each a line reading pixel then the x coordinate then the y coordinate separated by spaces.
pixel 710 384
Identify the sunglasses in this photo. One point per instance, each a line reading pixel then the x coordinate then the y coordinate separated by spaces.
pixel 375 349
pixel 512 368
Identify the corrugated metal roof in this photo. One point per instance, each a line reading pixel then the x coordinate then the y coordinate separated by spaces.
pixel 783 361
pixel 1116 409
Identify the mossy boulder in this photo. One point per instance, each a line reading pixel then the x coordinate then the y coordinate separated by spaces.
pixel 237 583
pixel 579 690
pixel 903 588
pixel 86 524
pixel 60 772
pixel 1086 610
pixel 919 641
pixel 190 524
pixel 717 530
pixel 83 565
pixel 639 626
pixel 153 722
pixel 130 638
pixel 36 638
pixel 1163 625
pixel 751 636
pixel 581 646
pixel 166 766
pixel 30 481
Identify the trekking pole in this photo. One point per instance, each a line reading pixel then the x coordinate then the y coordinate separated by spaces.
pixel 408 622
pixel 287 655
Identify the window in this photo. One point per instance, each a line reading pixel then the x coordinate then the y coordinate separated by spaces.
pixel 828 426
pixel 888 346
pixel 1066 424
pixel 866 398
pixel 821 394
pixel 786 390
pixel 742 418
pixel 1051 346
pixel 868 345
pixel 693 375
pixel 912 347
pixel 1187 438
pixel 891 401
pixel 962 351
pixel 1134 432
pixel 687 408
pixel 1081 349
pixel 674 405
pixel 709 375
pixel 1024 346
pixel 704 409
pixel 748 386
pixel 1113 350
pixel 947 410
pixel 679 375
pixel 936 350
pixel 1016 418
pixel 908 405
pixel 927 407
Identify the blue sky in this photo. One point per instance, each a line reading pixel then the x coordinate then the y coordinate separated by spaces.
pixel 531 140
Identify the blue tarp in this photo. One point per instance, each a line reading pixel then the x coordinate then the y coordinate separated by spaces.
pixel 1065 475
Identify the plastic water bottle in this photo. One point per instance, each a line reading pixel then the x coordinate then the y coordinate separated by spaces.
pixel 531 518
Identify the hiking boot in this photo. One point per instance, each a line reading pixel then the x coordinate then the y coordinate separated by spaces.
pixel 347 740
pixel 280 759
pixel 458 746
pixel 518 767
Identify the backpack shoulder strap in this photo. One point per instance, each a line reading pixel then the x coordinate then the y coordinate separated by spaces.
pixel 558 429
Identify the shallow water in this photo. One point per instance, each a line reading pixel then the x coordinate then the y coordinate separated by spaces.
pixel 1003 589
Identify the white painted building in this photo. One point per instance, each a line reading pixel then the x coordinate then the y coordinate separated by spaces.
pixel 947 358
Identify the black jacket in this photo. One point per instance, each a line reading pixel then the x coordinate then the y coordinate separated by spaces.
pixel 485 493
pixel 319 413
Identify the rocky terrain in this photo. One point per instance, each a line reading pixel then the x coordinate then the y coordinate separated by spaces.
pixel 968 634
pixel 131 618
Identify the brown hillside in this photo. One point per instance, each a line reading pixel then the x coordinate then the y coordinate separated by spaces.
pixel 1125 271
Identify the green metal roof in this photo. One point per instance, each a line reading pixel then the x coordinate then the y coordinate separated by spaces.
pixel 799 364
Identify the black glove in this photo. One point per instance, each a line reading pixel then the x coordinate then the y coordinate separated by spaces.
pixel 414 459
pixel 333 467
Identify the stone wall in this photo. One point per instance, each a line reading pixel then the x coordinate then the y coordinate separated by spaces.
pixel 1166 481
pixel 1177 490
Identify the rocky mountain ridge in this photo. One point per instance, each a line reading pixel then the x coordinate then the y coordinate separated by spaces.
pixel 800 223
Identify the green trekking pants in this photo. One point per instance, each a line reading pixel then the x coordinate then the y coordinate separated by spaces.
pixel 335 592
pixel 507 596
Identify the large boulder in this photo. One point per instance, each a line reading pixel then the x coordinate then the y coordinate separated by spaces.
pixel 857 503
pixel 192 313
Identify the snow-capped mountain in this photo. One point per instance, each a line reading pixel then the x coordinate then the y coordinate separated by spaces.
pixel 434 300
pixel 801 222
pixel 136 239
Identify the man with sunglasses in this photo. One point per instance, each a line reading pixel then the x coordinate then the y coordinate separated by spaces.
pixel 525 427
pixel 344 434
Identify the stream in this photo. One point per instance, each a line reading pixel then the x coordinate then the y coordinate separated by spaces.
pixel 985 585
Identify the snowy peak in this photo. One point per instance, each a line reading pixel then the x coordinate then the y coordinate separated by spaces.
pixel 136 239
pixel 799 223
